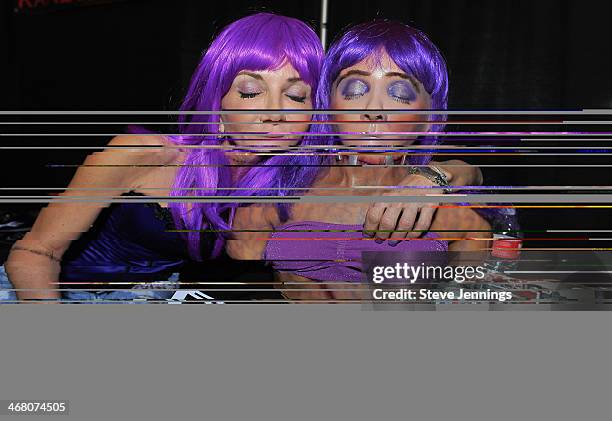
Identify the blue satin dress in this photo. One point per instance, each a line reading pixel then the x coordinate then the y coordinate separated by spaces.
pixel 129 254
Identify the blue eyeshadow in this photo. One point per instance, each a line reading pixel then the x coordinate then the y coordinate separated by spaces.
pixel 354 87
pixel 402 90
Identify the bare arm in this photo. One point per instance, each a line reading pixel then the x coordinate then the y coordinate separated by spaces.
pixel 34 261
pixel 251 245
pixel 470 231
pixel 397 221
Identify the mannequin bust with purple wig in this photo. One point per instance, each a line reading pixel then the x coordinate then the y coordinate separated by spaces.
pixel 282 54
pixel 373 67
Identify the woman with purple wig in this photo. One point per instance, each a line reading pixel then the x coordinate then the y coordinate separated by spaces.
pixel 128 248
pixel 372 68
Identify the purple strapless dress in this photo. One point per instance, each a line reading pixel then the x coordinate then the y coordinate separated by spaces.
pixel 333 256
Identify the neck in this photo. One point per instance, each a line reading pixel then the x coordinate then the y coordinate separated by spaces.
pixel 240 163
pixel 370 169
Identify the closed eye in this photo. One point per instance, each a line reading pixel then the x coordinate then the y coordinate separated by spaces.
pixel 300 99
pixel 402 91
pixel 245 95
pixel 353 88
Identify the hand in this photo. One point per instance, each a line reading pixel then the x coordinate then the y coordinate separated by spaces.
pixel 396 221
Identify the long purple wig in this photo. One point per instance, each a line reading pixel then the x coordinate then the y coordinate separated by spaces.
pixel 262 41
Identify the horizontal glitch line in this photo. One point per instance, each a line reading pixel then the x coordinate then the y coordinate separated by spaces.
pixel 419 133
pixel 347 165
pixel 345 150
pixel 356 187
pixel 325 111
pixel 280 122
pixel 440 198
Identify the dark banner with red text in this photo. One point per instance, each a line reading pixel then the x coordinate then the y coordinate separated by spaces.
pixel 46 6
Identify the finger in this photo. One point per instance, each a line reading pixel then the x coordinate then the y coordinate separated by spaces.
pixel 372 219
pixel 405 223
pixel 388 222
pixel 424 221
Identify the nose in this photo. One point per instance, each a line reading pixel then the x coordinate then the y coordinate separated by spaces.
pixel 372 111
pixel 273 103
pixel 375 117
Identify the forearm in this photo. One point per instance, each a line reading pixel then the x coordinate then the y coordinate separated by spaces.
pixel 469 234
pixel 33 276
pixel 460 223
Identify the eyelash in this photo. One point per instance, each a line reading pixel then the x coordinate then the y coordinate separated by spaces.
pixel 300 99
pixel 245 95
pixel 402 100
pixel 352 96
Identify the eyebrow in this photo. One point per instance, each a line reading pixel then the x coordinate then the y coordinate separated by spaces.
pixel 350 73
pixel 253 75
pixel 407 77
pixel 390 74
pixel 259 77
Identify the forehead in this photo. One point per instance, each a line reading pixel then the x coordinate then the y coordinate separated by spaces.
pixel 380 61
pixel 285 71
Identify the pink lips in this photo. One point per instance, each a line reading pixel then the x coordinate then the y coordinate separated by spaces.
pixel 371 159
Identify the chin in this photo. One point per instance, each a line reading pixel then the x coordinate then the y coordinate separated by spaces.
pixel 379 143
pixel 266 143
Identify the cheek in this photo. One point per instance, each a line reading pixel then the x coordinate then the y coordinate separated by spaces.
pixel 235 122
pixel 297 123
pixel 397 122
pixel 233 102
pixel 347 122
pixel 339 103
pixel 295 127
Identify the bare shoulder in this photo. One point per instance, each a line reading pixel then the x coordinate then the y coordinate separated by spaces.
pixel 153 149
pixel 142 159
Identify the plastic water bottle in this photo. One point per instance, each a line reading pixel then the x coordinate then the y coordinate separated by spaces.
pixel 507 242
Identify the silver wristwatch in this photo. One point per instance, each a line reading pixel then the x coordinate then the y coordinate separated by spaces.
pixel 433 174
